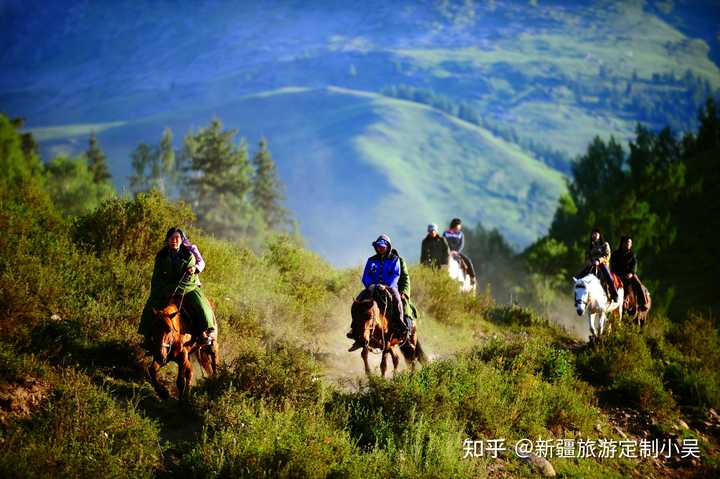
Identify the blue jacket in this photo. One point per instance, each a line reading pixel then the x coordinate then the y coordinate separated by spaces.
pixel 382 270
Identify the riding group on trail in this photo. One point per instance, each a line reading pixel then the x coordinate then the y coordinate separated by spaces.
pixel 608 283
pixel 178 320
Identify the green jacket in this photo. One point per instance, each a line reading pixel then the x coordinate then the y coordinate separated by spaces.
pixel 168 273
pixel 405 290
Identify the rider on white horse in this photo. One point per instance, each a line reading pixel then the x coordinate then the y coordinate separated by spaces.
pixel 590 296
pixel 598 256
pixel 456 241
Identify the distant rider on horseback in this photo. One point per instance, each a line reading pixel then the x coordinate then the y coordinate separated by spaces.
pixel 624 263
pixel 456 241
pixel 434 251
pixel 386 271
pixel 598 256
pixel 175 276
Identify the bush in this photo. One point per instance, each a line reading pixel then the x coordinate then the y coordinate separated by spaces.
pixel 132 229
pixel 275 374
pixel 440 297
pixel 694 373
pixel 633 377
pixel 81 432
pixel 245 438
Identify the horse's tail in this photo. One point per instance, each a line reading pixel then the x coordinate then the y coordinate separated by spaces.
pixel 410 354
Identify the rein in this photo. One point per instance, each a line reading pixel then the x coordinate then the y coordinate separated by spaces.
pixel 182 296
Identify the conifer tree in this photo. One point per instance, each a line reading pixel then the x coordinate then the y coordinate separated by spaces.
pixel 218 181
pixel 97 161
pixel 266 194
pixel 154 167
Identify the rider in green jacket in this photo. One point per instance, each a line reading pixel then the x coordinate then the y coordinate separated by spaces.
pixel 175 275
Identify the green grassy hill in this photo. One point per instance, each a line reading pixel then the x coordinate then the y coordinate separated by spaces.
pixel 357 164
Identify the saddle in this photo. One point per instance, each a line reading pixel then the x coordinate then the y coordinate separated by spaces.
pixel 617 281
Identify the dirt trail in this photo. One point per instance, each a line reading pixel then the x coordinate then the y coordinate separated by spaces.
pixel 345 369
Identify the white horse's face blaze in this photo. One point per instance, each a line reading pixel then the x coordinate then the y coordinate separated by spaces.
pixel 581 295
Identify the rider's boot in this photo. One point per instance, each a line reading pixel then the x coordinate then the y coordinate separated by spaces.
pixel 350 335
pixel 208 337
pixel 356 345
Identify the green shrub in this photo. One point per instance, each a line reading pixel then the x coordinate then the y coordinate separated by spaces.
pixel 693 372
pixel 81 432
pixel 624 364
pixel 440 297
pixel 131 228
pixel 276 373
pixel 243 438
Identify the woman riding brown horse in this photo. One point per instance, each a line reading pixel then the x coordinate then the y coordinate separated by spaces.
pixel 371 327
pixel 172 340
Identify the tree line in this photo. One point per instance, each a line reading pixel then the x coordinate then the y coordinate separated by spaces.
pixel 664 191
pixel 232 194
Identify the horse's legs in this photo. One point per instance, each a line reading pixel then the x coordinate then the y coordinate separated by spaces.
pixel 364 355
pixel 184 377
pixel 602 322
pixel 207 357
pixel 383 362
pixel 215 357
pixel 591 319
pixel 396 360
pixel 152 371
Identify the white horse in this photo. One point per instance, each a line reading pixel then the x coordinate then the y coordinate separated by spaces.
pixel 456 272
pixel 590 295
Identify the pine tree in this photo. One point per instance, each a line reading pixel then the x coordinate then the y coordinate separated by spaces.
pixel 20 165
pixel 166 162
pixel 218 182
pixel 141 158
pixel 97 161
pixel 154 167
pixel 266 194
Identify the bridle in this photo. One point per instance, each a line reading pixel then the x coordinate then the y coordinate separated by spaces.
pixel 580 301
pixel 170 337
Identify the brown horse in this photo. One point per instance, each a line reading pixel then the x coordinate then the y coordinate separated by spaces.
pixel 173 341
pixel 631 305
pixel 371 326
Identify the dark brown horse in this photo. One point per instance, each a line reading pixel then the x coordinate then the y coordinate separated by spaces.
pixel 639 316
pixel 371 327
pixel 173 341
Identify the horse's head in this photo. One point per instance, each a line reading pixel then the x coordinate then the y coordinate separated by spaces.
pixel 365 316
pixel 165 330
pixel 581 295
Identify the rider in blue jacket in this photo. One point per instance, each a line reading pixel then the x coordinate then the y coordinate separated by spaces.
pixel 383 272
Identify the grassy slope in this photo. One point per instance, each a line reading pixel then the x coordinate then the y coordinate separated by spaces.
pixel 372 164
pixel 276 409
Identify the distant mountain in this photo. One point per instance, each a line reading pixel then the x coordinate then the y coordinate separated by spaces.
pixel 544 76
pixel 357 164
